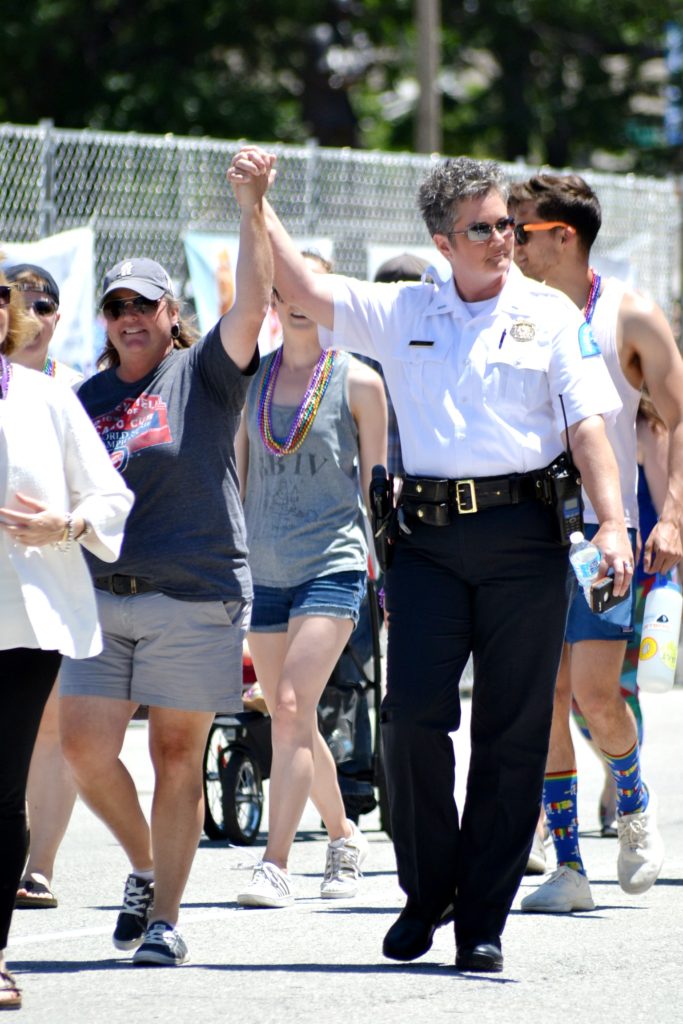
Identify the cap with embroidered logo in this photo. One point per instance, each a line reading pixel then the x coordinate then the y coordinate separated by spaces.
pixel 146 277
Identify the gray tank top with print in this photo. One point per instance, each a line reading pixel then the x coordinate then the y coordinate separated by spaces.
pixel 302 510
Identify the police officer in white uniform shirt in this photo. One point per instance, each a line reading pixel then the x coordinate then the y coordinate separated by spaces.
pixel 492 376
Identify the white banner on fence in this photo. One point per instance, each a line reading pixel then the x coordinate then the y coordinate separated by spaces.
pixel 69 256
pixel 211 261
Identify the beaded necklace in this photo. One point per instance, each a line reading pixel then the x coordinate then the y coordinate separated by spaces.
pixel 305 414
pixel 5 376
pixel 592 299
pixel 50 368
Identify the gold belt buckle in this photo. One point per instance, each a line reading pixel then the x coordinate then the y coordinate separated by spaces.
pixel 469 495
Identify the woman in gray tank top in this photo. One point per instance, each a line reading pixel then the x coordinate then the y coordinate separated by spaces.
pixel 314 424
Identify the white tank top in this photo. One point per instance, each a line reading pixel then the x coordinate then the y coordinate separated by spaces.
pixel 621 430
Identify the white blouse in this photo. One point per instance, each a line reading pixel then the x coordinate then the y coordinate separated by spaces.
pixel 50 451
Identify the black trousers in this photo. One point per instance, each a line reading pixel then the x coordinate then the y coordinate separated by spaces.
pixel 26 679
pixel 492 583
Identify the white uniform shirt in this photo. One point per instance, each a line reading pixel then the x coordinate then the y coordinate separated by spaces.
pixel 476 395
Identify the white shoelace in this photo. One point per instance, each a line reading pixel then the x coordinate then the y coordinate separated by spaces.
pixel 136 898
pixel 162 934
pixel 632 833
pixel 341 862
pixel 272 875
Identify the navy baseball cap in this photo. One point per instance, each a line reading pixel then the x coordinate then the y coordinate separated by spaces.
pixel 48 284
pixel 146 277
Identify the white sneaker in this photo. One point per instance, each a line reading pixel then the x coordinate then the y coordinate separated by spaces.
pixel 566 890
pixel 537 859
pixel 641 849
pixel 342 865
pixel 270 886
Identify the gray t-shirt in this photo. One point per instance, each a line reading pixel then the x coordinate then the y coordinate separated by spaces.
pixel 302 510
pixel 172 436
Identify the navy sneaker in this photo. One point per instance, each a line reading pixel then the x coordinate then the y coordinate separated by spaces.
pixel 131 926
pixel 164 946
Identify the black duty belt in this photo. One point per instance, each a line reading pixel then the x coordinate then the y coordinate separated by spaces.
pixel 124 585
pixel 435 501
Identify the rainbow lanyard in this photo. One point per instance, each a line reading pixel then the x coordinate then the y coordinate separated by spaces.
pixel 591 302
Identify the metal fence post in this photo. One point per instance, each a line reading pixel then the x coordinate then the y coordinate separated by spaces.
pixel 47 179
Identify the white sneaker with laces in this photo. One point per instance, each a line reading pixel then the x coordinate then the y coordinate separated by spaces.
pixel 641 848
pixel 270 886
pixel 343 862
pixel 566 890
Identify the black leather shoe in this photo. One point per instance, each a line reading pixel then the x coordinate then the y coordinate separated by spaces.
pixel 484 957
pixel 411 935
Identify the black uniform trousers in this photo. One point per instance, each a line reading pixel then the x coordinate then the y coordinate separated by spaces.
pixel 493 583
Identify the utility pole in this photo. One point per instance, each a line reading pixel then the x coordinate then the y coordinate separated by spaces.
pixel 428 136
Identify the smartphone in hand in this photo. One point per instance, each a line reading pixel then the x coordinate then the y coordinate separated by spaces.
pixel 602 595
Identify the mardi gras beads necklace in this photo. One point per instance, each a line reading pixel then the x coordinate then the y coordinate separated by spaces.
pixel 305 414
pixel 50 368
pixel 592 299
pixel 5 376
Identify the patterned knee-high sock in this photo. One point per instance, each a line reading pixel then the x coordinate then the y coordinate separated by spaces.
pixel 631 792
pixel 559 799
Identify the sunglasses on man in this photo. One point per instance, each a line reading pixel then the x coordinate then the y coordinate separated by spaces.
pixel 115 308
pixel 5 294
pixel 42 307
pixel 482 232
pixel 523 231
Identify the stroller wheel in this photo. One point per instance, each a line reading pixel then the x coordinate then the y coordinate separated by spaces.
pixel 217 749
pixel 242 797
pixel 233 791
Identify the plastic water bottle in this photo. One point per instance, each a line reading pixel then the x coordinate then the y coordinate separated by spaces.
pixel 340 744
pixel 659 639
pixel 585 561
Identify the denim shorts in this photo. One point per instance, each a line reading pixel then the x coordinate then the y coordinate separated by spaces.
pixel 614 624
pixel 338 596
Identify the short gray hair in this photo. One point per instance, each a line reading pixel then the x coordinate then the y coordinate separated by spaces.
pixel 452 181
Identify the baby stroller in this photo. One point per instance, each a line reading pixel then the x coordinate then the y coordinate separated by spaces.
pixel 239 752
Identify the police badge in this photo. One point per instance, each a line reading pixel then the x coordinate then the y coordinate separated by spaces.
pixel 523 330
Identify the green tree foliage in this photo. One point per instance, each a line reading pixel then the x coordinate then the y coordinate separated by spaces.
pixel 549 82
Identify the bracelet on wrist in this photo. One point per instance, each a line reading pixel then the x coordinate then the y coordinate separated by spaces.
pixel 66 540
pixel 85 532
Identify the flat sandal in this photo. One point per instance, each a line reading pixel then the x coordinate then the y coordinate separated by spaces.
pixel 8 986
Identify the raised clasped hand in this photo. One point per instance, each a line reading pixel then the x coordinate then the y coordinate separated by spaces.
pixel 35 528
pixel 250 174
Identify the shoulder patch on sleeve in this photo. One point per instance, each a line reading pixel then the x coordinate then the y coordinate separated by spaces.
pixel 587 343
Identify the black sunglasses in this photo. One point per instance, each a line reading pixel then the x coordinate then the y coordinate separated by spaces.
pixel 115 308
pixel 43 307
pixel 5 294
pixel 482 232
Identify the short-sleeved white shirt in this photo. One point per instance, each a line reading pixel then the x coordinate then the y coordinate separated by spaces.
pixel 476 393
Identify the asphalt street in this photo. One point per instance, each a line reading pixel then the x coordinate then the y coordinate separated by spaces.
pixel 321 961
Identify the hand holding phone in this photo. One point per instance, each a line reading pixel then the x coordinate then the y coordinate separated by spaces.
pixel 602 595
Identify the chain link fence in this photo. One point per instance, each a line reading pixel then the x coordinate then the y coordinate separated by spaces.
pixel 140 194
